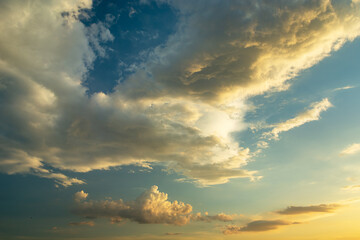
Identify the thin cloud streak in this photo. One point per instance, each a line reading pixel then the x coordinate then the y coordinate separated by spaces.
pixel 351 149
pixel 321 208
pixel 257 226
pixel 309 115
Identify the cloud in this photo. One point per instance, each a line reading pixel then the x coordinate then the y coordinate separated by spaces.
pixel 172 234
pixel 257 226
pixel 88 223
pixel 15 161
pixel 309 115
pixel 343 88
pixel 351 188
pixel 350 150
pixel 178 108
pixel 35 65
pixel 244 48
pixel 222 217
pixel 322 208
pixel 97 34
pixel 151 207
pixel 80 196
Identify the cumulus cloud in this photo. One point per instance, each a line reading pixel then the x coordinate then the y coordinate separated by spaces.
pixel 350 150
pixel 80 196
pixel 257 226
pixel 309 115
pixel 178 109
pixel 322 208
pixel 152 207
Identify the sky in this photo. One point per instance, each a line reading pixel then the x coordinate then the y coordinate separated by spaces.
pixel 162 119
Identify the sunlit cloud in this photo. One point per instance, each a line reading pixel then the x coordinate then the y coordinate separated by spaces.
pixel 208 218
pixel 350 150
pixel 80 196
pixel 257 226
pixel 151 207
pixel 343 88
pixel 193 100
pixel 321 208
pixel 180 106
pixel 352 188
pixel 309 115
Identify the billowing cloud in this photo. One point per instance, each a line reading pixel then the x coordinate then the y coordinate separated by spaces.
pixel 178 109
pixel 350 150
pixel 309 115
pixel 244 48
pixel 152 206
pixel 322 208
pixel 257 226
pixel 43 57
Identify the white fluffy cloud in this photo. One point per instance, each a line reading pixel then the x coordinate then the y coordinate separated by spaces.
pixel 152 206
pixel 180 109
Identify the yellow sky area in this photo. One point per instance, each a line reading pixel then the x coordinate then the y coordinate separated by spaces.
pixel 344 224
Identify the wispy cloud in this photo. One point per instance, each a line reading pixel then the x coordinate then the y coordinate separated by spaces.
pixel 257 226
pixel 309 115
pixel 85 223
pixel 172 234
pixel 321 208
pixel 350 150
pixel 343 88
pixel 222 217
pixel 352 188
